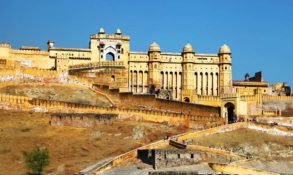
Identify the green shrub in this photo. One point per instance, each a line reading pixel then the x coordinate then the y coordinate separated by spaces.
pixel 36 160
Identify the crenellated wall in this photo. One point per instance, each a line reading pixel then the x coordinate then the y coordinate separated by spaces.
pixel 81 120
pixel 279 103
pixel 174 119
pixel 144 101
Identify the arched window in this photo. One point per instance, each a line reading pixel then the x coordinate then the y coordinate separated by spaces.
pixel 110 56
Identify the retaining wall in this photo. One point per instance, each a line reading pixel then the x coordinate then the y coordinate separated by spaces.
pixel 231 169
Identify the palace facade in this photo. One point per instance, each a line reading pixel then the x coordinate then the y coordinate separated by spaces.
pixel 175 73
pixel 187 76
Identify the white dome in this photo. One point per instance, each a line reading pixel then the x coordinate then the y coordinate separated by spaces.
pixel 118 31
pixel 225 49
pixel 101 30
pixel 188 48
pixel 154 47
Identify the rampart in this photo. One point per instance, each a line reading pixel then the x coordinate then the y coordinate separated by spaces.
pixel 279 103
pixel 210 131
pixel 275 97
pixel 84 120
pixel 15 100
pixel 231 169
pixel 208 100
pixel 151 102
pixel 173 119
pixel 275 130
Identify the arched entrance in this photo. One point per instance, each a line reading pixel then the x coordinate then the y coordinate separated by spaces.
pixel 112 78
pixel 110 56
pixel 230 112
pixel 186 99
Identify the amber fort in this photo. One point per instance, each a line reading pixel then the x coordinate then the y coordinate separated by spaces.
pixel 190 96
pixel 189 76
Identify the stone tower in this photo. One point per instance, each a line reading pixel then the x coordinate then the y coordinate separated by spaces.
pixel 154 67
pixel 225 70
pixel 187 55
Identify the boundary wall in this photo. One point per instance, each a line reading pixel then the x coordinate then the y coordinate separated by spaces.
pixel 145 101
pixel 232 169
pixel 174 119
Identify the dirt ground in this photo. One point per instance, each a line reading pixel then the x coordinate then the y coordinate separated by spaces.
pixel 57 92
pixel 248 141
pixel 71 149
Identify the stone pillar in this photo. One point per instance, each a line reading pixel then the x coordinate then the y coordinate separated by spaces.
pixel 198 83
pixel 210 84
pixel 215 84
pixel 204 83
pixel 179 84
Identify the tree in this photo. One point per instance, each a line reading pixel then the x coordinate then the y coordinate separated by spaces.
pixel 36 160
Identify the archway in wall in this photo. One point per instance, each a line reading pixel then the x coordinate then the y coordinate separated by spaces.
pixel 186 99
pixel 230 112
pixel 110 56
pixel 112 78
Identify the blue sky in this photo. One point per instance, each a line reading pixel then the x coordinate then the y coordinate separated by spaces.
pixel 259 33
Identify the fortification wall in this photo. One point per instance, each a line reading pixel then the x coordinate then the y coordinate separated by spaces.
pixel 172 119
pixel 210 131
pixel 22 74
pixel 15 102
pixel 127 100
pixel 283 103
pixel 253 103
pixel 231 169
pixel 274 130
pixel 81 120
pixel 208 100
pixel 28 58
